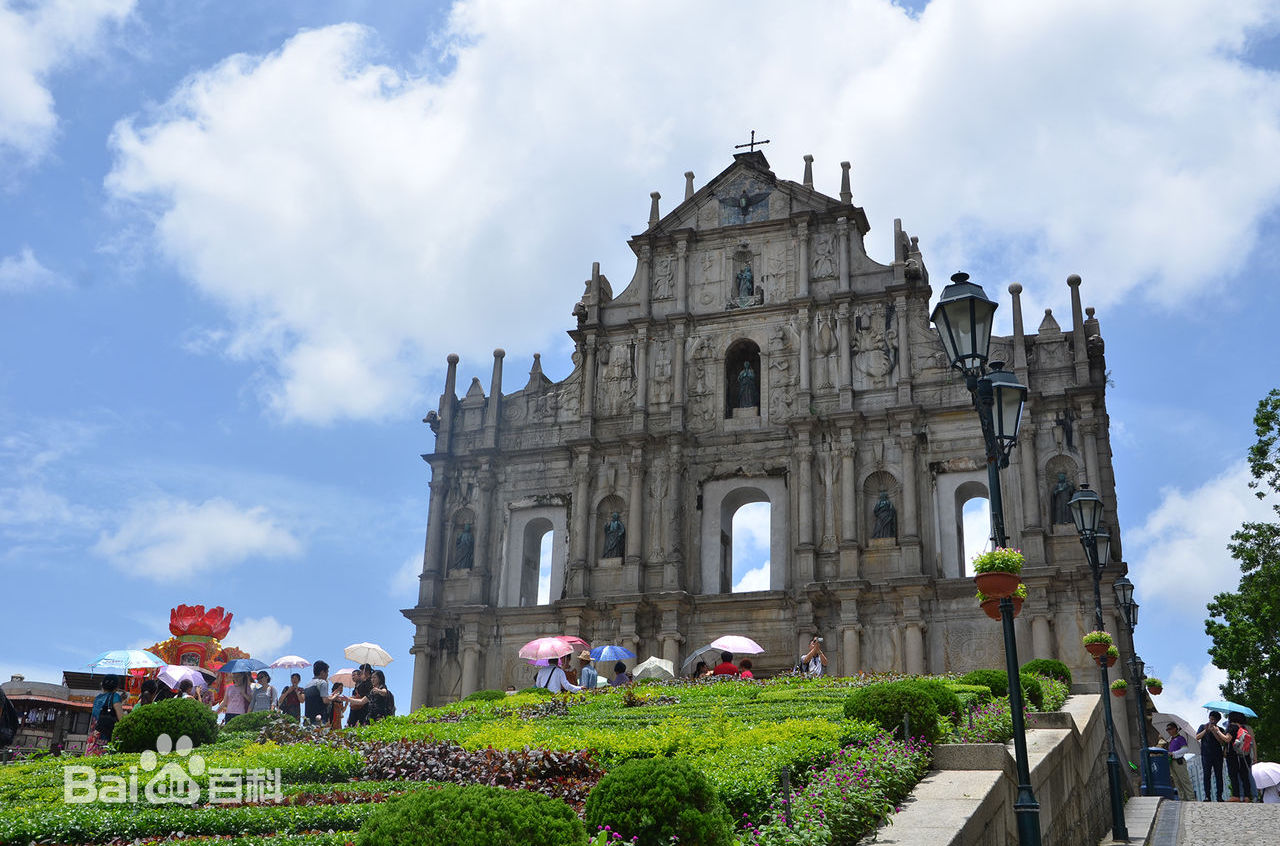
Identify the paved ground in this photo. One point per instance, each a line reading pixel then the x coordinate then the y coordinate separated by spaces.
pixel 1216 824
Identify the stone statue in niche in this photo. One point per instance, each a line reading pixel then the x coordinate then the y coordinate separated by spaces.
pixel 824 344
pixel 464 549
pixel 886 515
pixel 824 258
pixel 875 346
pixel 662 278
pixel 1060 500
pixel 615 537
pixel 745 283
pixel 748 387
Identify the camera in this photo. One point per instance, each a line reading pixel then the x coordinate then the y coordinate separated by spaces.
pixel 818 640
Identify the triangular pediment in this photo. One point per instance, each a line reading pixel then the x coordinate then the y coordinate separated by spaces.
pixel 745 192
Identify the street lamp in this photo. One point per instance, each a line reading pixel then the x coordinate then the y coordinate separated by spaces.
pixel 1086 512
pixel 963 318
pixel 1129 611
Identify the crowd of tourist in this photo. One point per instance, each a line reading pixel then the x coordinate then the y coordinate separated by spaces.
pixel 317 703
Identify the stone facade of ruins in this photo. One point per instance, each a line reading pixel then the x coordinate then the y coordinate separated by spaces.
pixel 847 401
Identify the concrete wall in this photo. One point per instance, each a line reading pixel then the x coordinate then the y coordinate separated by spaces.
pixel 967 799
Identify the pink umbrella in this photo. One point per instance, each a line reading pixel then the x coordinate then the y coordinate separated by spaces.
pixel 737 644
pixel 344 676
pixel 546 647
pixel 174 674
pixel 289 662
pixel 576 642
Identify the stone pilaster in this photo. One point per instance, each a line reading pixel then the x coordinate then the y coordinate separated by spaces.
pixel 682 275
pixel 846 361
pixel 842 251
pixel 483 558
pixel 802 251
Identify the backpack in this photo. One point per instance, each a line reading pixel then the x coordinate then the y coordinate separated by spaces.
pixel 8 720
pixel 107 717
pixel 1243 744
pixel 315 704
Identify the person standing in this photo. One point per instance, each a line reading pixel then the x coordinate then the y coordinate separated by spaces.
pixel 1178 768
pixel 553 678
pixel 236 698
pixel 814 662
pixel 106 713
pixel 290 701
pixel 185 688
pixel 620 675
pixel 1238 752
pixel 744 669
pixel 382 703
pixel 726 667
pixel 587 675
pixel 316 695
pixel 359 698
pixel 1211 738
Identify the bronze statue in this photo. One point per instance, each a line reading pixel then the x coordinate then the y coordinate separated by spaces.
pixel 464 549
pixel 1060 500
pixel 748 387
pixel 615 537
pixel 886 518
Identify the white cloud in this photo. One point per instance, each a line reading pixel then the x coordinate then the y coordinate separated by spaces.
pixel 262 637
pixel 404 582
pixel 756 578
pixel 1181 549
pixel 1187 688
pixel 35 40
pixel 357 222
pixel 24 272
pixel 170 540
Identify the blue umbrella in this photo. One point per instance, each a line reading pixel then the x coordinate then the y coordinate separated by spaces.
pixel 125 659
pixel 611 653
pixel 242 665
pixel 1224 705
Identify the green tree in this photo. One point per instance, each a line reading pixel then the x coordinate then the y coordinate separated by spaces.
pixel 1245 625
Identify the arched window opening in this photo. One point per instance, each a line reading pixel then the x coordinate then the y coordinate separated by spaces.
pixel 535 570
pixel 544 568
pixel 975 531
pixel 748 548
pixel 742 379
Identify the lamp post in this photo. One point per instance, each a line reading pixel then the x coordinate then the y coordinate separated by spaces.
pixel 963 317
pixel 1129 611
pixel 1086 511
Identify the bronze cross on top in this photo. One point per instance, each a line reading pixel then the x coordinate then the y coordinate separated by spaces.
pixel 751 146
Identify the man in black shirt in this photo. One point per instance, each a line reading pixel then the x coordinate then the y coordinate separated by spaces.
pixel 359 698
pixel 317 697
pixel 1211 739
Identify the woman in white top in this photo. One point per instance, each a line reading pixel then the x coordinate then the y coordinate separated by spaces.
pixel 553 678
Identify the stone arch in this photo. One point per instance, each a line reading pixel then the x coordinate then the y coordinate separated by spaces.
pixel 743 351
pixel 721 499
pixel 1065 465
pixel 604 510
pixel 872 485
pixel 527 525
pixel 461 518
pixel 965 493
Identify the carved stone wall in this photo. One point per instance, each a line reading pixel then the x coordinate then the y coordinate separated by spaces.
pixel 854 397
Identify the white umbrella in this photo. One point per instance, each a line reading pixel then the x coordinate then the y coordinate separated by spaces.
pixel 1161 721
pixel 174 674
pixel 1266 774
pixel 289 662
pixel 368 653
pixel 654 668
pixel 126 659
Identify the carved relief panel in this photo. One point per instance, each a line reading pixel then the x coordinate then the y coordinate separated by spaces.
pixel 874 342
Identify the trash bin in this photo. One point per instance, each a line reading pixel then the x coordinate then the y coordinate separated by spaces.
pixel 1161 778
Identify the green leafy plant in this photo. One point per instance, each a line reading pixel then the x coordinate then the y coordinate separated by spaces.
pixel 472 815
pixel 1032 691
pixel 1120 684
pixel 254 721
pixel 1049 667
pixel 888 702
pixel 999 560
pixel 996 680
pixel 657 799
pixel 1152 681
pixel 175 717
pixel 1097 637
pixel 485 696
pixel 1113 653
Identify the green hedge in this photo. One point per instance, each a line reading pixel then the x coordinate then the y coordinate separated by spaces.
pixel 657 800
pixel 887 703
pixel 255 721
pixel 997 680
pixel 485 696
pixel 472 815
pixel 140 728
pixel 1032 692
pixel 1049 667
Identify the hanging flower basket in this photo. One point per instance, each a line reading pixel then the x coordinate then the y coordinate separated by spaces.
pixel 997 585
pixel 1154 686
pixel 996 572
pixel 1119 687
pixel 1097 643
pixel 1110 657
pixel 991 607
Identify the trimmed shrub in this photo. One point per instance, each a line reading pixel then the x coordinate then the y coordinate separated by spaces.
pixel 946 699
pixel 138 731
pixel 657 799
pixel 971 694
pixel 255 721
pixel 997 680
pixel 485 696
pixel 472 815
pixel 1032 692
pixel 1049 667
pixel 885 704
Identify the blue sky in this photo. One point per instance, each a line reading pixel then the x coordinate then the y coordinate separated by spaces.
pixel 236 248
